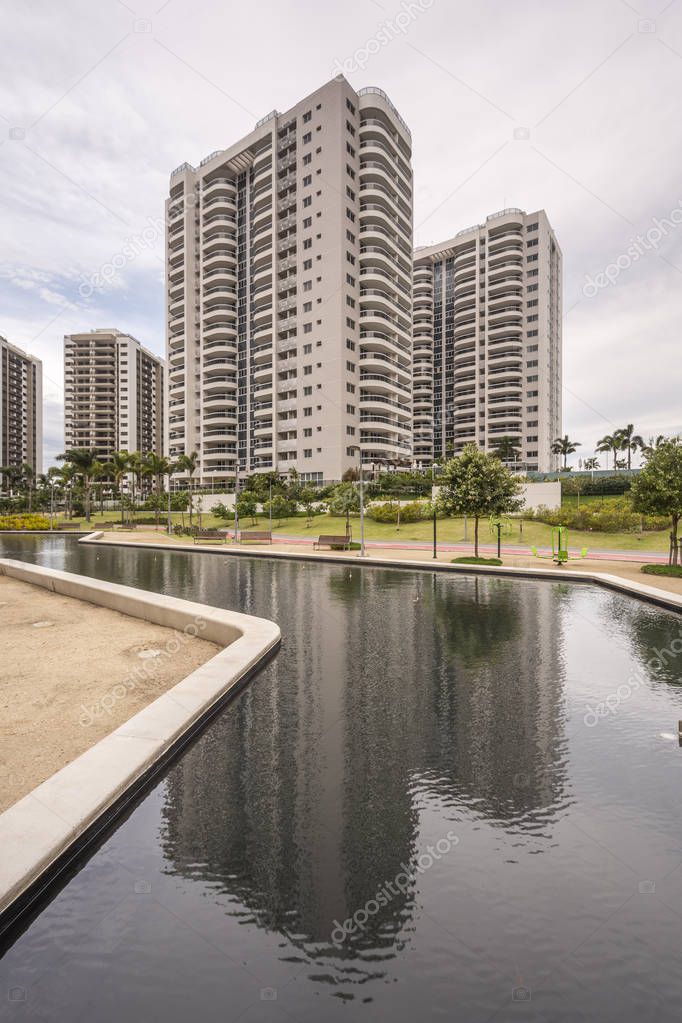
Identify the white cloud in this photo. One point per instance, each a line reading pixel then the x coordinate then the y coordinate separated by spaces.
pixel 107 112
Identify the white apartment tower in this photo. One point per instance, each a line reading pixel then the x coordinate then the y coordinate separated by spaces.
pixel 113 394
pixel 289 293
pixel 487 340
pixel 21 408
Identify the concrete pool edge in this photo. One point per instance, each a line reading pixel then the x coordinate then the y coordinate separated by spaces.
pixel 46 829
pixel 651 594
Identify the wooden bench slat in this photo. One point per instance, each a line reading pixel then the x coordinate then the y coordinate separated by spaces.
pixel 255 534
pixel 327 540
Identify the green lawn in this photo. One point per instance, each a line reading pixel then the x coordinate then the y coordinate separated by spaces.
pixel 525 534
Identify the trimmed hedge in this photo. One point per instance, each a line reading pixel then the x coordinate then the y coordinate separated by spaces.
pixel 471 560
pixel 671 570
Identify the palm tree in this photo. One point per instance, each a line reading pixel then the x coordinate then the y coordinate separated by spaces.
pixel 507 449
pixel 189 464
pixel 647 449
pixel 564 446
pixel 591 463
pixel 630 441
pixel 101 474
pixel 28 477
pixel 118 469
pixel 611 442
pixel 67 478
pixel 158 466
pixel 84 462
pixel 138 467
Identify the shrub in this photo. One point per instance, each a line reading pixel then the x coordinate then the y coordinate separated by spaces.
pixel 185 530
pixel 24 522
pixel 672 570
pixel 469 560
pixel 221 511
pixel 415 511
pixel 179 501
pixel 614 517
pixel 588 487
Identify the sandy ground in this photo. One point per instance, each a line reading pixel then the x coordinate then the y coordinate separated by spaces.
pixel 60 659
pixel 624 569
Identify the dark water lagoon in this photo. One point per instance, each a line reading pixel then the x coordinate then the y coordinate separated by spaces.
pixel 435 802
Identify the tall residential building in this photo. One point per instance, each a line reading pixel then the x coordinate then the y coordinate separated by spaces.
pixel 21 408
pixel 289 271
pixel 487 340
pixel 113 394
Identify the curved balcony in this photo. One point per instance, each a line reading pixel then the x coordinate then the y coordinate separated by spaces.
pixel 381 151
pixel 379 361
pixel 218 242
pixel 374 320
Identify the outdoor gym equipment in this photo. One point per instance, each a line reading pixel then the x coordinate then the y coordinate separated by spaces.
pixel 500 524
pixel 560 553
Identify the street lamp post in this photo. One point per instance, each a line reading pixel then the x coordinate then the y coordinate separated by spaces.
pixel 236 498
pixel 434 467
pixel 52 485
pixel 361 553
pixel 170 523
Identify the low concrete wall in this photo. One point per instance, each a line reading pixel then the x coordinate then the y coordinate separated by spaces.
pixel 537 494
pixel 534 495
pixel 37 831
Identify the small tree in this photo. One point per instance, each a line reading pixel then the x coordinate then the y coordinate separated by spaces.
pixel 247 505
pixel 308 497
pixel 477 484
pixel 343 500
pixel 657 490
pixel 281 508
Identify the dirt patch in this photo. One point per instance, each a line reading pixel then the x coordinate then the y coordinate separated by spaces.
pixel 72 672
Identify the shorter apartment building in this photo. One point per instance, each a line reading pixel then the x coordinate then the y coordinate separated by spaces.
pixel 113 394
pixel 21 408
pixel 487 341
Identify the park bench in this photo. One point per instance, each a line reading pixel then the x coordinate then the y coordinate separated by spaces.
pixel 209 536
pixel 332 541
pixel 68 525
pixel 260 535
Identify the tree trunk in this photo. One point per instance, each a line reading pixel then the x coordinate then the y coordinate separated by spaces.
pixel 87 501
pixel 475 536
pixel 674 549
pixel 158 501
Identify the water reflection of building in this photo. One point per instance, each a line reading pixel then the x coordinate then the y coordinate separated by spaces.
pixel 302 799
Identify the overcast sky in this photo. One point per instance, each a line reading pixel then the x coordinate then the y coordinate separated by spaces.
pixel 573 107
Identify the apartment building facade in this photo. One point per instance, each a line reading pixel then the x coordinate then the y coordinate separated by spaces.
pixel 289 293
pixel 21 408
pixel 113 394
pixel 487 341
